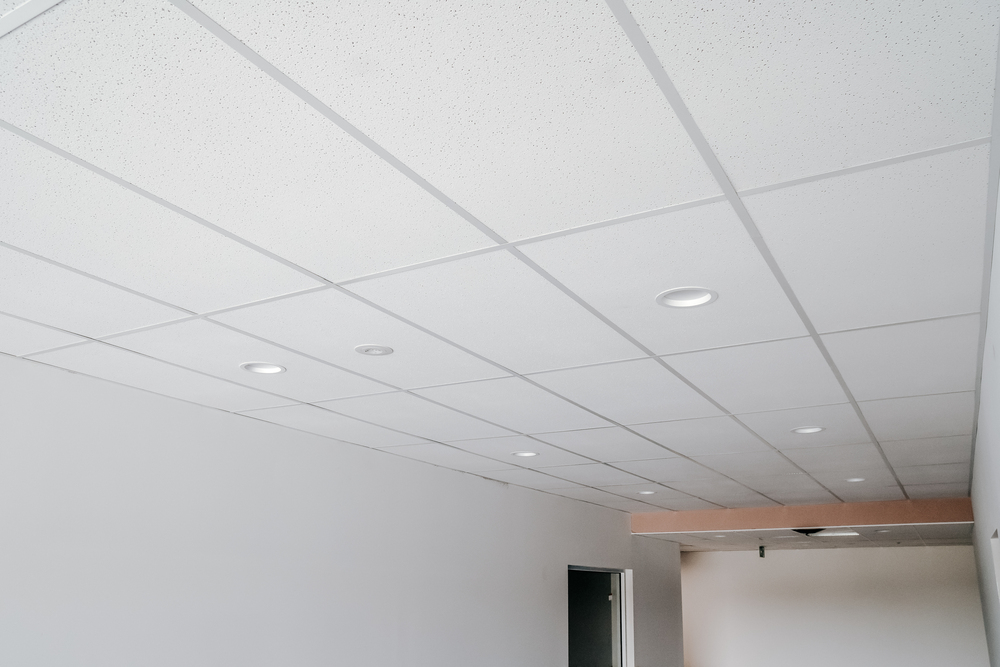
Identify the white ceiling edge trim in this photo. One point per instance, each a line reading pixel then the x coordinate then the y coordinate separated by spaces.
pixel 23 13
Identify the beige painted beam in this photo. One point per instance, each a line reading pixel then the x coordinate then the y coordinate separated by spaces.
pixel 892 512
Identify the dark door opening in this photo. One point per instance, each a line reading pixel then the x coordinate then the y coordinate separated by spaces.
pixel 595 618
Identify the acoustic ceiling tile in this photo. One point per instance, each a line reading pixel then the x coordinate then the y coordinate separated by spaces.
pixel 887 245
pixel 660 493
pixel 515 404
pixel 782 90
pixel 929 451
pixel 748 464
pixel 449 457
pixel 771 485
pixel 630 392
pixel 763 376
pixel 531 479
pixel 669 471
pixel 57 209
pixel 700 437
pixel 216 350
pixel 846 458
pixel 859 494
pixel 594 474
pixel 921 416
pixel 135 370
pixel 622 268
pixel 535 117
pixel 840 423
pixel 943 473
pixel 606 444
pixel 819 497
pixel 20 337
pixel 688 504
pixel 873 478
pixel 60 298
pixel 502 449
pixel 329 324
pixel 411 414
pixel 495 305
pixel 323 422
pixel 932 357
pixel 146 93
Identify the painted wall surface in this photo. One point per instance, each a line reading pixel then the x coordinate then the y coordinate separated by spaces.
pixel 986 468
pixel 140 530
pixel 870 607
pixel 658 635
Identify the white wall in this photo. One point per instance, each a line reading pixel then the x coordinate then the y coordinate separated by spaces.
pixel 870 607
pixel 986 469
pixel 658 635
pixel 139 530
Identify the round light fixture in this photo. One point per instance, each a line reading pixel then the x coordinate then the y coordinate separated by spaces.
pixel 646 493
pixel 686 297
pixel 262 367
pixel 719 536
pixel 373 350
pixel 805 430
pixel 884 530
pixel 525 454
pixel 854 480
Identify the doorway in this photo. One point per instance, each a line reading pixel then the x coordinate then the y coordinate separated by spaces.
pixel 599 618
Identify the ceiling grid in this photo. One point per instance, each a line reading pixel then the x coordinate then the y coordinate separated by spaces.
pixel 740 488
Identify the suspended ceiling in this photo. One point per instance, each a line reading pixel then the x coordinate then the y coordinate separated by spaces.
pixel 498 192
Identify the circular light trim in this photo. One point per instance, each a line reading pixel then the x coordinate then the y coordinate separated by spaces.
pixel 806 430
pixel 646 493
pixel 686 297
pixel 854 480
pixel 374 350
pixel 525 454
pixel 262 367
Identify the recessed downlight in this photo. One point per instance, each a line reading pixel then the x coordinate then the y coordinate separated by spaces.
pixel 718 535
pixel 525 454
pixel 373 350
pixel 646 493
pixel 806 430
pixel 686 297
pixel 837 532
pixel 883 530
pixel 262 367
pixel 854 480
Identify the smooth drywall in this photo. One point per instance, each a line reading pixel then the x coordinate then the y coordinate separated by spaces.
pixel 986 471
pixel 869 607
pixel 658 634
pixel 141 530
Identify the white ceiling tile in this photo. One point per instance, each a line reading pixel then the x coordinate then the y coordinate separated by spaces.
pixel 783 484
pixel 631 506
pixel 917 491
pixel 668 471
pixel 689 504
pixel 448 457
pixel 840 423
pixel 935 357
pixel 929 451
pixel 503 449
pixel 920 416
pixel 146 93
pixel 515 404
pixel 945 531
pixel 818 497
pixel 699 437
pixel 19 337
pixel 630 392
pixel 859 494
pixel 621 269
pixel 489 101
pixel 836 480
pixel 323 422
pixel 747 464
pixel 784 90
pixel 529 478
pixel 118 365
pixel 57 209
pixel 593 474
pixel 764 376
pixel 606 444
pixel 329 325
pixel 942 473
pixel 660 493
pixel 48 294
pixel 893 244
pixel 723 492
pixel 412 414
pixel 845 458
pixel 216 350
pixel 495 305
pixel 594 496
